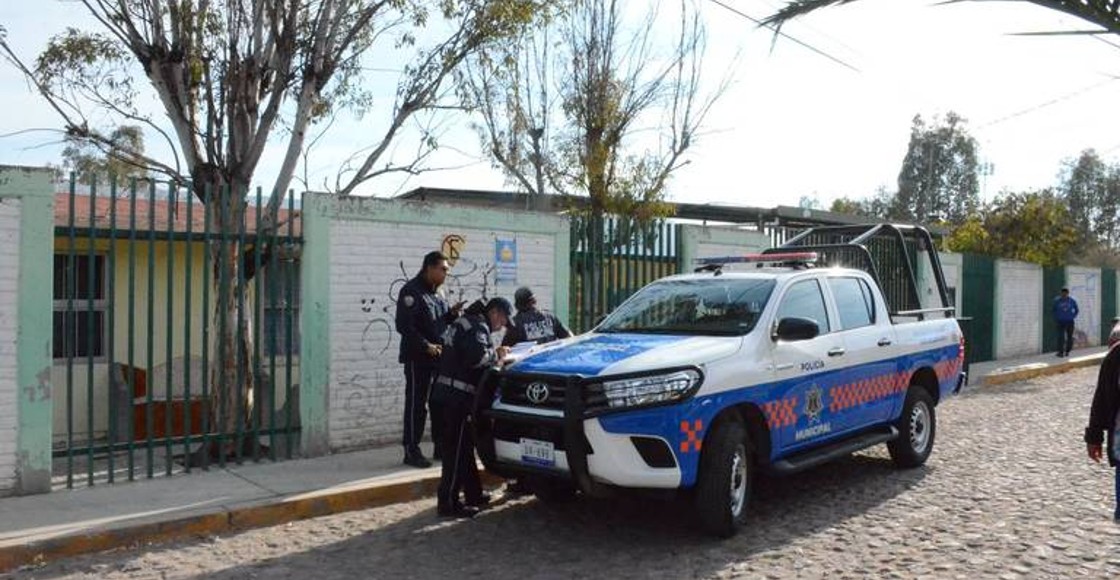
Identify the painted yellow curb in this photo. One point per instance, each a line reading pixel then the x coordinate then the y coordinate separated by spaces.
pixel 277 511
pixel 1011 376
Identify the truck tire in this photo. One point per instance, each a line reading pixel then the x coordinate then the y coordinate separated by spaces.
pixel 916 428
pixel 723 487
pixel 552 491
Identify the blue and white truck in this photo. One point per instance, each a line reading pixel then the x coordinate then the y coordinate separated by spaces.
pixel 841 339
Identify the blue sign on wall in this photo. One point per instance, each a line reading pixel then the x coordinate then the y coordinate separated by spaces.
pixel 505 261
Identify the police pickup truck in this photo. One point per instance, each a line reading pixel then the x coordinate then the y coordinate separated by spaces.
pixel 697 382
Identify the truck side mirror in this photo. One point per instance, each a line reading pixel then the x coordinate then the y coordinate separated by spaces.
pixel 796 328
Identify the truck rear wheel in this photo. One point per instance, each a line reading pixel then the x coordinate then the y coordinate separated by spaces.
pixel 723 487
pixel 917 427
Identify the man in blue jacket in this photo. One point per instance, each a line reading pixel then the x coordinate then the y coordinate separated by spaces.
pixel 1065 312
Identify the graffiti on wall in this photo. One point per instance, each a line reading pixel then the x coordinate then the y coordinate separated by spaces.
pixel 467 281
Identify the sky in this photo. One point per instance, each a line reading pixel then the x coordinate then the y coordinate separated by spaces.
pixel 794 124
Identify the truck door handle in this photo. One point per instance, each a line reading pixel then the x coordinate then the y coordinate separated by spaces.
pixel 784 367
pixel 884 342
pixel 838 351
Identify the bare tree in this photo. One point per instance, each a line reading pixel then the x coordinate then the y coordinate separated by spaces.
pixel 229 74
pixel 593 104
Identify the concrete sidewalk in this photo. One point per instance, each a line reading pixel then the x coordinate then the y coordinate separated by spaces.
pixel 1010 370
pixel 67 523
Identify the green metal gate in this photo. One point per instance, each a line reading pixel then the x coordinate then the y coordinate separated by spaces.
pixel 611 258
pixel 1052 281
pixel 142 273
pixel 979 297
pixel 1108 302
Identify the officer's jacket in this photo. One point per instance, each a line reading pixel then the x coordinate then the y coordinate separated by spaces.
pixel 422 316
pixel 467 352
pixel 535 326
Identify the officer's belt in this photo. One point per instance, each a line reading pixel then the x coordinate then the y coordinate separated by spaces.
pixel 455 384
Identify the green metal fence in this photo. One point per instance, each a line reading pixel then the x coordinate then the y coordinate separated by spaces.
pixel 1108 302
pixel 613 257
pixel 978 303
pixel 1053 279
pixel 147 287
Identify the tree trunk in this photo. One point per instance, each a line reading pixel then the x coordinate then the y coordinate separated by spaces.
pixel 232 374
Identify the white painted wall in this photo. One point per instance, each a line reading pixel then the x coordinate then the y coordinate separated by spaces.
pixel 9 300
pixel 952 266
pixel 370 261
pixel 1019 300
pixel 1085 287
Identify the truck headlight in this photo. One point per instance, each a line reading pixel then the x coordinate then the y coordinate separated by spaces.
pixel 650 390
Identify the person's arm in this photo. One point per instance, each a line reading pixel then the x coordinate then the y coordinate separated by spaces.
pixel 513 335
pixel 561 330
pixel 1102 414
pixel 1076 310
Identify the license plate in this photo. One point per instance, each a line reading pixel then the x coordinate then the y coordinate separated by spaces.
pixel 538 452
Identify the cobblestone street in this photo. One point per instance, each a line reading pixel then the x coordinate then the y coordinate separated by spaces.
pixel 1008 493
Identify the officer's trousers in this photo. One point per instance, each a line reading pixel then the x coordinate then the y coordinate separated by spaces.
pixel 418 386
pixel 460 468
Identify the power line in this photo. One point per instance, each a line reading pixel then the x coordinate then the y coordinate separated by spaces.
pixel 1049 103
pixel 778 32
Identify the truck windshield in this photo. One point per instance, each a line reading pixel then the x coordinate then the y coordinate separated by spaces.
pixel 710 306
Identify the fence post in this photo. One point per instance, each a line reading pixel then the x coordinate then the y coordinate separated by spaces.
pixel 315 315
pixel 26 333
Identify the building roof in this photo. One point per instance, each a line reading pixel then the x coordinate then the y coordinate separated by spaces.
pixel 783 216
pixel 161 215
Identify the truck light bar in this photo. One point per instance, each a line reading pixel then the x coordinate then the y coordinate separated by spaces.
pixel 784 257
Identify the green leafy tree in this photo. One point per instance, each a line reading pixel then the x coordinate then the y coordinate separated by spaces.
pixel 1091 187
pixel 121 156
pixel 1033 226
pixel 940 178
pixel 233 77
pixel 878 206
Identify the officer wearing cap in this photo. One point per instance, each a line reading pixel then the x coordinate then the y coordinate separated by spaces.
pixel 422 317
pixel 531 324
pixel 466 355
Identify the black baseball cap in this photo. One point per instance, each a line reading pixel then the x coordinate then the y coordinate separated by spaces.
pixel 522 297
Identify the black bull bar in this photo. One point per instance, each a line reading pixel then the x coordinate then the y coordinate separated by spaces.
pixel 570 425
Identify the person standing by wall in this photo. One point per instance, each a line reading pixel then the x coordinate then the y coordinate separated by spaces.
pixel 466 356
pixel 422 317
pixel 1065 313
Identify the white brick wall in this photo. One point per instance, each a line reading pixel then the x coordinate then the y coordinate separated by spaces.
pixel 369 263
pixel 9 300
pixel 1019 302
pixel 1085 287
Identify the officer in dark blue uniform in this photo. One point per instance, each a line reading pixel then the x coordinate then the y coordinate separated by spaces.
pixel 422 317
pixel 468 352
pixel 531 324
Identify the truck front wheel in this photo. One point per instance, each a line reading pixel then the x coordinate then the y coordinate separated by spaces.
pixel 723 487
pixel 917 427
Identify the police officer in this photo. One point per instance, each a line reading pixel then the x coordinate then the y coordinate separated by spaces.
pixel 467 353
pixel 422 317
pixel 531 324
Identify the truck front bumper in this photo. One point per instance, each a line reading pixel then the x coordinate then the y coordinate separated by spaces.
pixel 582 451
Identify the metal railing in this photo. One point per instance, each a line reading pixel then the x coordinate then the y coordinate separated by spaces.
pixel 156 309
